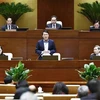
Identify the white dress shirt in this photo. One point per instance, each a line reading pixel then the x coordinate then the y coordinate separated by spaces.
pixel 46 45
pixel 9 27
pixel 53 25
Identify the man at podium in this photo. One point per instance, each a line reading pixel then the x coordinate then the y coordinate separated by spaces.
pixel 45 45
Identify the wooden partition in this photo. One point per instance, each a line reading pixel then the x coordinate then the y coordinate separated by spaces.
pixel 69 43
pixel 47 73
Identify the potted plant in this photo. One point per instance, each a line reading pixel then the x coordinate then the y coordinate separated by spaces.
pixel 90 11
pixel 18 73
pixel 14 10
pixel 89 72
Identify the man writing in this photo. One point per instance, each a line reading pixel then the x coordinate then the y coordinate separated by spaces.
pixel 54 24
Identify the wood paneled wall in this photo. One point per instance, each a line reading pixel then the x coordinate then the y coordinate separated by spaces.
pixel 63 9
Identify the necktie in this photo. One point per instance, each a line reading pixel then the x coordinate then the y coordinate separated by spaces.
pixel 54 26
pixel 9 27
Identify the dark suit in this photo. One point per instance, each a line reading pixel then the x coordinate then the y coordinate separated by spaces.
pixel 13 26
pixel 92 28
pixel 92 55
pixel 58 26
pixel 92 96
pixel 40 47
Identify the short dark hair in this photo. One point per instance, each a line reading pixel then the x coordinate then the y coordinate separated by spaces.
pixel 7 79
pixel 93 85
pixel 45 31
pixel 54 16
pixel 60 88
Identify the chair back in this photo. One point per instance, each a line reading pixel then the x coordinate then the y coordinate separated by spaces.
pixel 58 97
pixel 10 55
pixel 8 89
pixel 73 89
pixel 58 22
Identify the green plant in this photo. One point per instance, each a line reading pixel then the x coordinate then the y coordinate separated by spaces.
pixel 90 11
pixel 18 72
pixel 90 72
pixel 13 10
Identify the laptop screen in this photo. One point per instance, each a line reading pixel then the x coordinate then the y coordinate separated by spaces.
pixel 93 29
pixel 22 29
pixel 50 58
pixel 2 57
pixel 96 58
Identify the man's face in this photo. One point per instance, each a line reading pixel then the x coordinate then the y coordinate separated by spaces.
pixel 9 21
pixel 96 51
pixel 96 25
pixel 53 20
pixel 45 36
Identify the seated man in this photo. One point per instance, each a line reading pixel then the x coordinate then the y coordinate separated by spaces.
pixel 95 26
pixel 83 91
pixel 54 23
pixel 96 52
pixel 45 45
pixel 9 25
pixel 93 86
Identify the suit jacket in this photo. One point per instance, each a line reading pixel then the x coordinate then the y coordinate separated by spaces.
pixel 13 26
pixel 40 47
pixel 92 96
pixel 92 55
pixel 58 26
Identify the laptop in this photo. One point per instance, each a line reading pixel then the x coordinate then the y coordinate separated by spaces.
pixel 22 29
pixel 3 57
pixel 66 28
pixel 94 29
pixel 50 57
pixel 96 58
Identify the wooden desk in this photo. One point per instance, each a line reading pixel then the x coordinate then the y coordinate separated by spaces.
pixel 70 43
pixel 47 73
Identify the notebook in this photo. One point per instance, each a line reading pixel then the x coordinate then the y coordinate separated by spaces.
pixel 22 29
pixel 3 57
pixel 96 57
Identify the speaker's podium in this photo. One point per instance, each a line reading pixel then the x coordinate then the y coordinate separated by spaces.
pixel 55 56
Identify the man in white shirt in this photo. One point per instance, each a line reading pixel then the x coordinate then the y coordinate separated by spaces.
pixel 54 24
pixel 45 45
